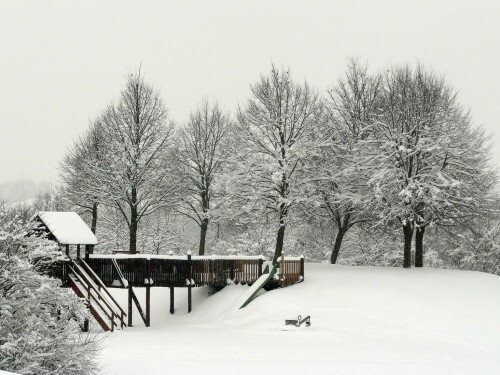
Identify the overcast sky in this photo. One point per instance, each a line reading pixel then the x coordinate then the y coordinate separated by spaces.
pixel 62 62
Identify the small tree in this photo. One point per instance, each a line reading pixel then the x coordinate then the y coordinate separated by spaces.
pixel 202 152
pixel 275 133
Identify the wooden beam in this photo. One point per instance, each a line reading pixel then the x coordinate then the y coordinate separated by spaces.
pixel 282 269
pixel 138 305
pixel 148 292
pixel 302 268
pixel 129 306
pixel 189 274
pixel 171 300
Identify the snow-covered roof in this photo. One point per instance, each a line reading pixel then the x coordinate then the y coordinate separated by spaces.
pixel 68 228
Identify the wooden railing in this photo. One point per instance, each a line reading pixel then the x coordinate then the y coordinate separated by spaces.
pixel 85 287
pixel 291 270
pixel 177 271
pixel 104 291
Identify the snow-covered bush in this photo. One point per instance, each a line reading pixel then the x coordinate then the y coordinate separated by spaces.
pixel 475 250
pixel 39 320
pixel 254 240
pixel 372 248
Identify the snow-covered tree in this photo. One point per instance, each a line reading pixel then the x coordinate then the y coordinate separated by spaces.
pixel 80 187
pixel 202 152
pixel 275 135
pixel 49 200
pixel 137 176
pixel 39 321
pixel 428 163
pixel 351 111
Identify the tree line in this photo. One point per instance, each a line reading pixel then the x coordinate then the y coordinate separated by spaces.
pixel 377 150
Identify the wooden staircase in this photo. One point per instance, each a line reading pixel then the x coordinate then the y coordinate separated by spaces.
pixel 101 304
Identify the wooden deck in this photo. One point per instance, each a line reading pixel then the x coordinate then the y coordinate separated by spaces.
pixel 98 272
pixel 176 271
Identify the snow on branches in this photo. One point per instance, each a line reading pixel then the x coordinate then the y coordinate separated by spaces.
pixel 39 320
pixel 274 136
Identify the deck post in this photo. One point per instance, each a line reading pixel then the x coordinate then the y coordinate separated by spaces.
pixel 129 306
pixel 148 292
pixel 282 270
pixel 189 275
pixel 171 300
pixel 261 262
pixel 302 267
pixel 77 251
pixel 67 250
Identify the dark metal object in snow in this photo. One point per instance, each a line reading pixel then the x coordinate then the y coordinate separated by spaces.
pixel 297 322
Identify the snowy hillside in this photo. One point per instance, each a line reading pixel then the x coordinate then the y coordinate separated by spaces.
pixel 364 320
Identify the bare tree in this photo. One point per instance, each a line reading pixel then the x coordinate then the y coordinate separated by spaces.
pixel 351 110
pixel 275 136
pixel 137 177
pixel 427 163
pixel 202 152
pixel 79 182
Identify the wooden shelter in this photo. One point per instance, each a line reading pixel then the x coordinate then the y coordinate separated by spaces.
pixel 65 228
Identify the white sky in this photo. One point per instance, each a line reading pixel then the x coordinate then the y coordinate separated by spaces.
pixel 62 62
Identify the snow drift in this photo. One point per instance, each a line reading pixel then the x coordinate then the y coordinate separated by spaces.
pixel 364 320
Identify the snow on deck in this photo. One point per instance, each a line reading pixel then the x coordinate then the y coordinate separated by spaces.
pixel 176 257
pixel 68 228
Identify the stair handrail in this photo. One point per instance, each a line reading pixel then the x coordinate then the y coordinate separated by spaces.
pixel 119 271
pixel 81 277
pixel 94 287
pixel 131 291
pixel 101 284
pixel 92 305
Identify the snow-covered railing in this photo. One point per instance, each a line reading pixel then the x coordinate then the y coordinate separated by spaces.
pixel 291 270
pixel 177 271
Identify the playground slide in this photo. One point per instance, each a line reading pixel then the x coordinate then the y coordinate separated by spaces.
pixel 251 293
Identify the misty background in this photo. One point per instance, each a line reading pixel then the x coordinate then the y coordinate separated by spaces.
pixel 61 62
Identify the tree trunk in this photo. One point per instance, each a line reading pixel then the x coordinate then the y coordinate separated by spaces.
pixel 337 245
pixel 279 243
pixel 133 237
pixel 419 247
pixel 94 217
pixel 133 223
pixel 203 236
pixel 408 235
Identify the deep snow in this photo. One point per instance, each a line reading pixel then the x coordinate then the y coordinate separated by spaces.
pixel 364 320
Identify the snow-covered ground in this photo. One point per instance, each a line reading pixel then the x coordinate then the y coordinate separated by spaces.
pixel 364 320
